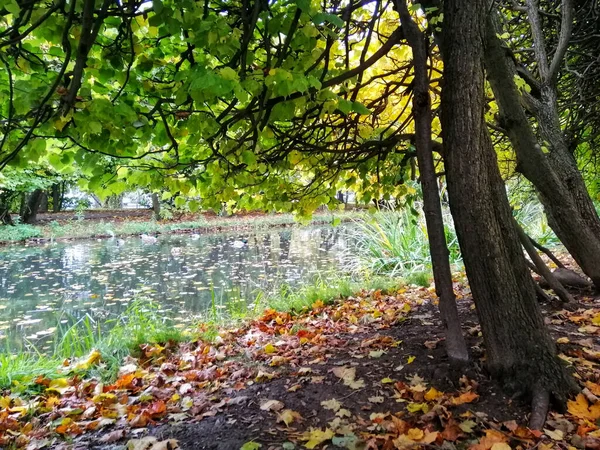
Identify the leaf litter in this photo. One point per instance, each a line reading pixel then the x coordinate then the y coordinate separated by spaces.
pixel 310 381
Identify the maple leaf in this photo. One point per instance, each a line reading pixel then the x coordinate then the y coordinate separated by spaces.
pixel 288 416
pixel 432 394
pixel 271 405
pixel 466 397
pixel 316 436
pixel 593 387
pixel 467 426
pixel 251 446
pixel 580 408
pixel 332 405
pixel 348 375
pixel 151 443
pixel 487 442
pixel 556 435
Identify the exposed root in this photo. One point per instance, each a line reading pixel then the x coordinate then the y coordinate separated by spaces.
pixel 540 403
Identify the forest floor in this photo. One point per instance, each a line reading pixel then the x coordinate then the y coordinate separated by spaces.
pixel 368 371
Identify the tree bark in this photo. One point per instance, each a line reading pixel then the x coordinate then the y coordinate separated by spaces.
pixel 33 205
pixel 456 347
pixel 541 267
pixel 555 176
pixel 56 197
pixel 156 206
pixel 5 200
pixel 43 203
pixel 519 350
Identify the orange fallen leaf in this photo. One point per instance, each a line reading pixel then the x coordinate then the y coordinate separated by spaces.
pixel 467 397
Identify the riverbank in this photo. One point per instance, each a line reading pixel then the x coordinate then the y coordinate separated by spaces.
pixel 71 227
pixel 367 369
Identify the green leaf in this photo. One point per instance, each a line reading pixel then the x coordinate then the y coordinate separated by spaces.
pixel 251 446
pixel 360 109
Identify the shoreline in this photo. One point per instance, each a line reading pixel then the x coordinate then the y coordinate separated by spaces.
pixel 239 223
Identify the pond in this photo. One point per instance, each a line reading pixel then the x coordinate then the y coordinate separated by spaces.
pixel 188 275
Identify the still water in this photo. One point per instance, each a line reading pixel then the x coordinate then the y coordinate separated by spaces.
pixel 43 286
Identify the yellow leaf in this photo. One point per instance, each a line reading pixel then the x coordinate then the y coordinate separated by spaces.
pixel 580 408
pixel 556 435
pixel 411 359
pixel 387 380
pixel 288 416
pixel 593 387
pixel 5 402
pixel 596 319
pixel 432 394
pixel 415 434
pixel 59 385
pixel 270 348
pixel 562 340
pixel 501 446
pixel 318 304
pixel 416 407
pixel 316 436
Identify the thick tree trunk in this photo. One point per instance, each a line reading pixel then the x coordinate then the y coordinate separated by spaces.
pixel 519 350
pixel 43 203
pixel 156 206
pixel 438 248
pixel 33 205
pixel 559 183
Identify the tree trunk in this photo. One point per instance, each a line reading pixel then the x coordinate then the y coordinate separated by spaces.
pixel 43 203
pixel 156 206
pixel 23 204
pixel 438 248
pixel 56 197
pixel 541 267
pixel 33 205
pixel 5 200
pixel 555 176
pixel 519 350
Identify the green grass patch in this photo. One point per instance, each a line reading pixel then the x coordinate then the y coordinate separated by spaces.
pixel 395 244
pixel 141 323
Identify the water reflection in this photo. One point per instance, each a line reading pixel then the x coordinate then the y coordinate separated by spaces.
pixel 41 286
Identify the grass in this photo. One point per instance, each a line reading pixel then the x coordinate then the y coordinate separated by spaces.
pixel 395 244
pixel 296 300
pixel 19 232
pixel 531 217
pixel 78 229
pixel 141 323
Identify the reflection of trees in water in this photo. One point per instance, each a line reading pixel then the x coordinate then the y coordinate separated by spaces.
pixel 95 277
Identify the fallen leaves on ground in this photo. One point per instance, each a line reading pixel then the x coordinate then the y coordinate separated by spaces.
pixel 178 383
